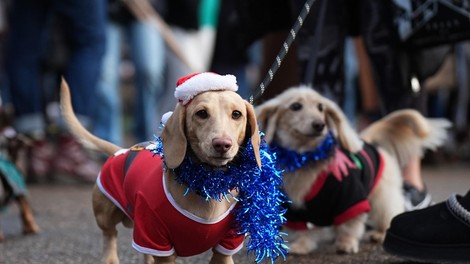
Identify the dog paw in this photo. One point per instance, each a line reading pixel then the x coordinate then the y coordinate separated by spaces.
pixel 111 260
pixel 303 246
pixel 31 229
pixel 376 236
pixel 347 246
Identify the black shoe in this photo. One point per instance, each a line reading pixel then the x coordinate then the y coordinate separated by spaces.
pixel 415 199
pixel 435 234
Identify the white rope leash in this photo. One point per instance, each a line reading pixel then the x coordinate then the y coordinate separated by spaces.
pixel 283 51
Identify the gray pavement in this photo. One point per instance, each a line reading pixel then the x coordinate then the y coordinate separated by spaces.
pixel 70 235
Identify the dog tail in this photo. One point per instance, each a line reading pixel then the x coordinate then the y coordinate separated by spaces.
pixel 407 134
pixel 76 128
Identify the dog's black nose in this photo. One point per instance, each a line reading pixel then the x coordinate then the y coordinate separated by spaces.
pixel 318 127
pixel 222 145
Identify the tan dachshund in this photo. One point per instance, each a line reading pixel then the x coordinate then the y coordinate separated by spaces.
pixel 358 176
pixel 212 127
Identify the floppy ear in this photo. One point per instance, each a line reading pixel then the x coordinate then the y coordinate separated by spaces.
pixel 254 131
pixel 340 126
pixel 267 114
pixel 174 138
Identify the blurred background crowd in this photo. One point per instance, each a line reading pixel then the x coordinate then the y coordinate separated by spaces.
pixel 122 59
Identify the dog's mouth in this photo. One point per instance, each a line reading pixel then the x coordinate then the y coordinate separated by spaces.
pixel 219 161
pixel 312 134
pixel 222 158
pixel 214 161
pixel 222 166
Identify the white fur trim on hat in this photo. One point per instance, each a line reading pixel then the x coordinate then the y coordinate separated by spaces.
pixel 203 82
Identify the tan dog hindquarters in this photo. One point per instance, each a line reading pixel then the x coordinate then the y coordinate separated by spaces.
pixel 407 134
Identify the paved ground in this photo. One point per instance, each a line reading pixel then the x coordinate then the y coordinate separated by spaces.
pixel 69 234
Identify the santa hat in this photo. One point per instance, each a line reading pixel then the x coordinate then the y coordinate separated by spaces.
pixel 189 86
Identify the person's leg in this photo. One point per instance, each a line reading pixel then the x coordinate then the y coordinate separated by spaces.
pixel 370 100
pixel 175 69
pixel 148 53
pixel 351 72
pixel 107 122
pixel 416 194
pixel 26 44
pixel 85 23
pixel 393 81
pixel 412 174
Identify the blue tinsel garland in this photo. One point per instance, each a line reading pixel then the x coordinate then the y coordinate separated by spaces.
pixel 261 211
pixel 290 160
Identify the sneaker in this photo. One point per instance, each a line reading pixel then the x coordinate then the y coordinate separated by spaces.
pixel 415 199
pixel 437 234
pixel 73 160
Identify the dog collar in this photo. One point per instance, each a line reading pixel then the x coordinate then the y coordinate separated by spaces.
pixel 290 160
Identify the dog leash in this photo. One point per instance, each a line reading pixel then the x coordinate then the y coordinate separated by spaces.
pixel 144 11
pixel 283 51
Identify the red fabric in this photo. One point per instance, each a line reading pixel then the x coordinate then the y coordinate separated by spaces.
pixel 352 212
pixel 380 172
pixel 317 186
pixel 185 78
pixel 296 225
pixel 159 227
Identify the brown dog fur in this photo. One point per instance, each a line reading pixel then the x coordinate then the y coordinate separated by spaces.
pixel 187 125
pixel 13 144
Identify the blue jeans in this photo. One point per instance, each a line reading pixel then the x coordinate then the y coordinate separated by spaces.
pixel 351 72
pixel 84 24
pixel 147 50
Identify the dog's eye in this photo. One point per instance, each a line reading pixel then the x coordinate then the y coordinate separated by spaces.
pixel 236 114
pixel 320 107
pixel 296 106
pixel 202 114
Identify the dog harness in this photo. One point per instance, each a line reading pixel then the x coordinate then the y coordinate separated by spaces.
pixel 334 199
pixel 133 180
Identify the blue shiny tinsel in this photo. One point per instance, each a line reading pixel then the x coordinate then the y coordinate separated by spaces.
pixel 261 212
pixel 290 160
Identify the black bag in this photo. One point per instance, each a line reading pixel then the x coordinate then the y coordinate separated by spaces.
pixel 428 23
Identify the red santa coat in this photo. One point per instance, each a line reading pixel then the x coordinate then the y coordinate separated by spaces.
pixel 161 228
